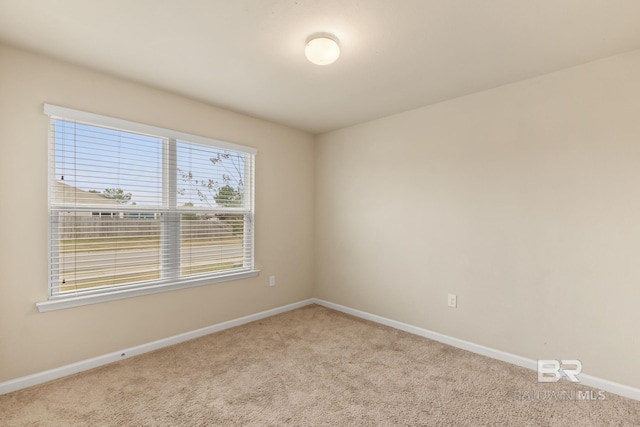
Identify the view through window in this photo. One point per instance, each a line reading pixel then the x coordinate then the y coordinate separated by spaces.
pixel 131 209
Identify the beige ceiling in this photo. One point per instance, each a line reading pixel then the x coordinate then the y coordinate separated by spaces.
pixel 248 55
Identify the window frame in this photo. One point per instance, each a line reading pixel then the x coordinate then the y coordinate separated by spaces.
pixel 63 300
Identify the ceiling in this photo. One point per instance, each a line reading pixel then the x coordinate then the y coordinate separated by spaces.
pixel 248 55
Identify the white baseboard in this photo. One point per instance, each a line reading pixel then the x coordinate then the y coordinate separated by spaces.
pixel 84 365
pixel 588 380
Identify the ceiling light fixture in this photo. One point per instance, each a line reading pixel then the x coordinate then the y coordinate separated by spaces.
pixel 322 48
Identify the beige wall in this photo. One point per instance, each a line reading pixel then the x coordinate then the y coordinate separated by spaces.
pixel 31 341
pixel 523 200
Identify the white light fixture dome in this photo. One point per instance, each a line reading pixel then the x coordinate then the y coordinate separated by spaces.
pixel 322 49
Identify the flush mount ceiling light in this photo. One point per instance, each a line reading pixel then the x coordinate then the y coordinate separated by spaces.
pixel 322 48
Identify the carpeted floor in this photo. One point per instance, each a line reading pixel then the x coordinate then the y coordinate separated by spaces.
pixel 309 367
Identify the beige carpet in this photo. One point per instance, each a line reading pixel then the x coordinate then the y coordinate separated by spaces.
pixel 308 367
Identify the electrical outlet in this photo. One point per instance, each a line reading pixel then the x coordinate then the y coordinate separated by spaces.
pixel 272 280
pixel 452 300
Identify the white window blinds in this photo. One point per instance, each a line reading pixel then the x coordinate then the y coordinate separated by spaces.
pixel 135 206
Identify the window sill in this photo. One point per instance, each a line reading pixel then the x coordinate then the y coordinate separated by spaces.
pixel 77 301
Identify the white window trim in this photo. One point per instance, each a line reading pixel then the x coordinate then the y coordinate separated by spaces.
pixel 58 303
pixel 91 118
pixel 77 301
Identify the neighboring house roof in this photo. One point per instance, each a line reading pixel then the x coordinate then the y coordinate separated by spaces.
pixel 63 192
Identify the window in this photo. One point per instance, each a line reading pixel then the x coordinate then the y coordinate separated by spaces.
pixel 136 209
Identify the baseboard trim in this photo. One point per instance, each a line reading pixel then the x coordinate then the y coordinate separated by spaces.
pixel 84 365
pixel 588 380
